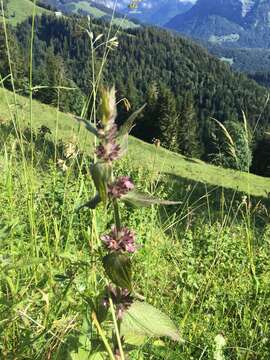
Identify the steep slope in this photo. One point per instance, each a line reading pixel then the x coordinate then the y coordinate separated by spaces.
pixel 167 11
pixel 141 153
pixel 149 55
pixel 147 11
pixel 196 85
pixel 19 10
pixel 160 12
pixel 240 23
pixel 247 60
pixel 95 9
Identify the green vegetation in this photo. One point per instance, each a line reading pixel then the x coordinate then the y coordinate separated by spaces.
pixel 20 10
pixel 204 260
pixel 84 8
pixel 146 155
pixel 156 67
pixel 93 9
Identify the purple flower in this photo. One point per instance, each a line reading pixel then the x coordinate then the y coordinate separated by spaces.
pixel 120 187
pixel 121 240
pixel 108 152
pixel 120 297
pixel 108 134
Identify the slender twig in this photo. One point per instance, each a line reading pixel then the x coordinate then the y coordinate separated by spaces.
pixel 117 333
pixel 102 335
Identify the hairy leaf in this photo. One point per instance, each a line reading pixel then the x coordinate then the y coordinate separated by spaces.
pixel 142 321
pixel 122 137
pixel 129 123
pixel 140 199
pixel 90 127
pixel 101 174
pixel 118 268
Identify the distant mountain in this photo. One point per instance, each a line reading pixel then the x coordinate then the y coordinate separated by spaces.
pixel 147 11
pixel 234 23
pixel 160 12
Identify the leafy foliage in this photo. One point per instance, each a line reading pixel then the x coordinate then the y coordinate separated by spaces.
pixel 192 86
pixel 142 321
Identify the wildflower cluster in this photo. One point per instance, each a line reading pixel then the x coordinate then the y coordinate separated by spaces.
pixel 120 187
pixel 120 297
pixel 121 239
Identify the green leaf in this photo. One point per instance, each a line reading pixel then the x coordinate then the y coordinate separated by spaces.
pixel 129 123
pixel 101 310
pixel 140 199
pixel 83 354
pixel 122 136
pixel 91 128
pixel 91 204
pixel 101 174
pixel 88 349
pixel 85 346
pixel 98 356
pixel 118 268
pixel 142 321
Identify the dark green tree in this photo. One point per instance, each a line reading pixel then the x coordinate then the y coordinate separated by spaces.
pixel 187 129
pixel 261 157
pixel 4 68
pixel 16 63
pixel 148 127
pixel 5 7
pixel 167 118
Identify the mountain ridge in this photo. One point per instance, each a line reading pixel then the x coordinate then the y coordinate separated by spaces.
pixel 247 22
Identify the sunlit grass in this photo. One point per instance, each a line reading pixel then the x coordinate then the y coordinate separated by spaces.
pixel 20 10
pixel 142 153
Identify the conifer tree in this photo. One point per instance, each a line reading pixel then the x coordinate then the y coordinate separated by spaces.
pixel 167 118
pixel 16 63
pixel 148 128
pixel 5 6
pixel 3 58
pixel 261 158
pixel 187 129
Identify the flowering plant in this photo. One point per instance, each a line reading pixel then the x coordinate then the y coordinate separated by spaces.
pixel 134 320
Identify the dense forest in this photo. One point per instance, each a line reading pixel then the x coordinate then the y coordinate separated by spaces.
pixel 244 59
pixel 182 84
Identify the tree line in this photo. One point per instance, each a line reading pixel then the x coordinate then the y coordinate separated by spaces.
pixel 185 87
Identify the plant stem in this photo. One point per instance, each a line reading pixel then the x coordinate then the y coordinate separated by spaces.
pixel 122 355
pixel 102 335
pixel 116 215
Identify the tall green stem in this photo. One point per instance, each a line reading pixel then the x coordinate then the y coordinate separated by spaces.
pixel 103 337
pixel 116 215
pixel 117 333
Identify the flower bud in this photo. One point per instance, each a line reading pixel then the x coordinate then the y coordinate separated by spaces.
pixel 108 106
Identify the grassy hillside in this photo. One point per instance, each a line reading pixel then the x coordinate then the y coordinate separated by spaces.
pixel 206 267
pixel 19 10
pixel 76 7
pixel 142 153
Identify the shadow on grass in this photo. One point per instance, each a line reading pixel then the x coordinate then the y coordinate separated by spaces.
pixel 204 203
